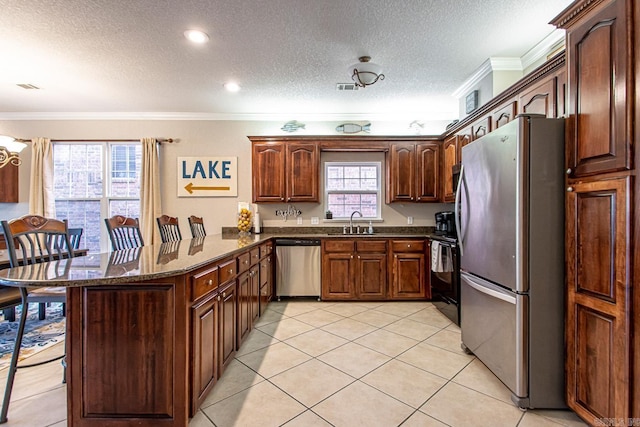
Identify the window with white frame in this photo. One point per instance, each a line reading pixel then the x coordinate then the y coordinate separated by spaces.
pixel 353 186
pixel 93 181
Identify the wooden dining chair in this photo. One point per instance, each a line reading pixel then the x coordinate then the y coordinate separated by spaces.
pixel 124 232
pixel 197 226
pixel 169 228
pixel 32 240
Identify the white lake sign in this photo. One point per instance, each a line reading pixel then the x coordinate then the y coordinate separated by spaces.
pixel 207 176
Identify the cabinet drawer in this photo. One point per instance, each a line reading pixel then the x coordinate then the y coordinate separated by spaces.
pixel 266 250
pixel 408 246
pixel 371 246
pixel 204 282
pixel 255 255
pixel 244 261
pixel 338 245
pixel 227 271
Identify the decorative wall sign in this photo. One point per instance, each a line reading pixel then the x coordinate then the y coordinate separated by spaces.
pixel 353 128
pixel 291 211
pixel 471 102
pixel 207 176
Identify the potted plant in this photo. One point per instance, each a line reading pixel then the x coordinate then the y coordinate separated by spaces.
pixel 328 215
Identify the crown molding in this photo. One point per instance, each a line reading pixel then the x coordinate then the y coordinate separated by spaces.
pixel 552 43
pixel 180 116
pixel 488 66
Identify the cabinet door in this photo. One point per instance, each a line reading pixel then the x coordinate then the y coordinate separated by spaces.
pixel 254 279
pixel 228 323
pixel 599 97
pixel 540 99
pixel 450 148
pixel 243 307
pixel 598 297
pixel 9 187
pixel 371 276
pixel 302 165
pixel 465 136
pixel 266 283
pixel 479 129
pixel 268 172
pixel 428 172
pixel 503 115
pixel 401 173
pixel 337 276
pixel 205 354
pixel 408 276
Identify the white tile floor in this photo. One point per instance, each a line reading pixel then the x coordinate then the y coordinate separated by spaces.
pixel 342 364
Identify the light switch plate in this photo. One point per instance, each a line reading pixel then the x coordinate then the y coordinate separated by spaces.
pixel 410 220
pixel 299 219
pixel 315 220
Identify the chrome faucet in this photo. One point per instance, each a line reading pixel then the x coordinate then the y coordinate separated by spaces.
pixel 351 220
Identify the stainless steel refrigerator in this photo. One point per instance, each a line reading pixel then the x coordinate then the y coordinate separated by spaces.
pixel 510 220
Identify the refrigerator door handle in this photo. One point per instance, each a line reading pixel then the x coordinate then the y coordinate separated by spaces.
pixel 474 283
pixel 457 218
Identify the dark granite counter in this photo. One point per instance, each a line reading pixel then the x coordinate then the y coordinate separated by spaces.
pixel 169 259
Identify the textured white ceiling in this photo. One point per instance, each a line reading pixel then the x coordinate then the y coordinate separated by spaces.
pixel 130 56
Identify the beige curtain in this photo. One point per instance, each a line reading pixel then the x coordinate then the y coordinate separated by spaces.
pixel 41 197
pixel 150 206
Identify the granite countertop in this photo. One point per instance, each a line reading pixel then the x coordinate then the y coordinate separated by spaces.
pixel 160 260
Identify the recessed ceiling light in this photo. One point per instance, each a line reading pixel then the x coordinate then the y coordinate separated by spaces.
pixel 196 36
pixel 232 86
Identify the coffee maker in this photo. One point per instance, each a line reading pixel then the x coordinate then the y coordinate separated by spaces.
pixel 445 224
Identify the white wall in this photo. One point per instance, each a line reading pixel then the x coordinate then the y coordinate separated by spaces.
pixel 210 138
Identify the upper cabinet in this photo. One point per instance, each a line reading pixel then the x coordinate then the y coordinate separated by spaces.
pixel 285 171
pixel 600 90
pixel 413 172
pixel 504 114
pixel 450 149
pixel 540 98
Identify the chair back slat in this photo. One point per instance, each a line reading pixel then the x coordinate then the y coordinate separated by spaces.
pixel 124 232
pixel 169 228
pixel 197 226
pixel 33 239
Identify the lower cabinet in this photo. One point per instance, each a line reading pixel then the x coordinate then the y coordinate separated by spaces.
pixel 205 320
pixel 409 271
pixel 244 307
pixel 254 286
pixel 358 269
pixel 228 319
pixel 266 282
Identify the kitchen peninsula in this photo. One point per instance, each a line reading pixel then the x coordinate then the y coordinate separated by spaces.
pixel 151 329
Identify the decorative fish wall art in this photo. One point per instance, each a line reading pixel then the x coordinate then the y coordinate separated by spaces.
pixel 292 126
pixel 353 128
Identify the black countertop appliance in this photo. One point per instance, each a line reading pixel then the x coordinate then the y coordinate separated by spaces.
pixel 445 224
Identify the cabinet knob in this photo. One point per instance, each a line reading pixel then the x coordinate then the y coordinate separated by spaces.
pixel 210 282
pixel 569 189
pixel 246 261
pixel 358 256
pixel 224 295
pixel 408 246
pixel 395 256
pixel 282 199
pixel 218 297
pixel 569 171
pixel 231 271
pixel 351 256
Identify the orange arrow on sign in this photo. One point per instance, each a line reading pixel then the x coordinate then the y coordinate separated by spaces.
pixel 190 188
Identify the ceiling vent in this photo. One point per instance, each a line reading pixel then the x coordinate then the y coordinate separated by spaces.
pixel 346 86
pixel 27 86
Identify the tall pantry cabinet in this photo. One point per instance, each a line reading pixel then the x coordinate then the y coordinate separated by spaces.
pixel 602 216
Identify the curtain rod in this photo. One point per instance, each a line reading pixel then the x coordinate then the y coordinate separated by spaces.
pixel 159 140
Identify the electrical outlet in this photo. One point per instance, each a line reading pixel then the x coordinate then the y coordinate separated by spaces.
pixel 315 220
pixel 410 220
pixel 299 220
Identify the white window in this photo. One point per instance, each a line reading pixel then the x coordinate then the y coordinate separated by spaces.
pixel 353 187
pixel 85 197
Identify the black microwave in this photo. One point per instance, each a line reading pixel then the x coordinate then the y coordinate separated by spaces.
pixel 455 173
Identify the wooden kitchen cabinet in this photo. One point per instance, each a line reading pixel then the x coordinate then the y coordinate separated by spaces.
pixel 504 114
pixel 266 282
pixel 450 158
pixel 9 189
pixel 598 310
pixel 540 98
pixel 354 269
pixel 413 172
pixel 600 104
pixel 602 232
pixel 205 324
pixel 285 171
pixel 245 317
pixel 228 321
pixel 409 270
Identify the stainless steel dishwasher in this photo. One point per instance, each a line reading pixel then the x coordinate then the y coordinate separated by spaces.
pixel 298 267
